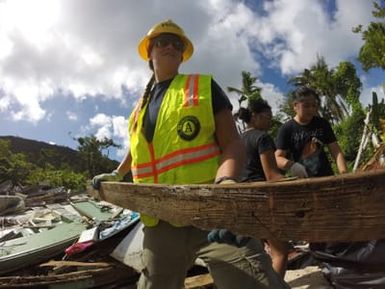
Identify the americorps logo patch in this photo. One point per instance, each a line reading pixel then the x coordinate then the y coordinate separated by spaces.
pixel 188 127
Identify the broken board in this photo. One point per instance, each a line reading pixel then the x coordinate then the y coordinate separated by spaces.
pixel 349 207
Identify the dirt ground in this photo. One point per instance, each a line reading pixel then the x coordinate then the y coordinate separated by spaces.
pixel 308 278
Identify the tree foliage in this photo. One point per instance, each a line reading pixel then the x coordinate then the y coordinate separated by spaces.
pixel 377 117
pixel 348 133
pixel 57 178
pixel 249 89
pixel 372 53
pixel 92 153
pixel 249 92
pixel 17 167
pixel 13 167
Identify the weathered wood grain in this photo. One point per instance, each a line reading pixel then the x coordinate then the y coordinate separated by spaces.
pixel 348 207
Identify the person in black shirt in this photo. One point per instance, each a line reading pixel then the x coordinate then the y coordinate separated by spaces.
pixel 260 147
pixel 304 138
pixel 261 165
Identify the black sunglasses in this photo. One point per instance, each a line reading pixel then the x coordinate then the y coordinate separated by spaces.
pixel 166 39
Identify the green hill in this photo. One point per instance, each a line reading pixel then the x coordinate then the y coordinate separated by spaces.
pixel 41 154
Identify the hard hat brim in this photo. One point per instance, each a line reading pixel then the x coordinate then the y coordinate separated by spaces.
pixel 145 42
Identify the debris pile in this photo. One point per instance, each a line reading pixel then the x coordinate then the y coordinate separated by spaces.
pixel 43 233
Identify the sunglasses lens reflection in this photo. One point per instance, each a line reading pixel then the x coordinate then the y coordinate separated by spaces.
pixel 166 41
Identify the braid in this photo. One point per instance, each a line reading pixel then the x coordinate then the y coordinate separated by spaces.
pixel 142 101
pixel 147 91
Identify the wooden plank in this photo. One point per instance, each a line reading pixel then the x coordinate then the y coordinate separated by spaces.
pixel 203 281
pixel 348 207
pixel 64 263
pixel 310 277
pixel 90 278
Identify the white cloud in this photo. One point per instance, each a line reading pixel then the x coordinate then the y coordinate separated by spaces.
pixel 120 125
pixel 367 94
pixel 295 32
pixel 272 95
pixel 269 92
pixel 101 120
pixel 27 94
pixel 88 48
pixel 5 102
pixel 112 127
pixel 120 132
pixel 72 116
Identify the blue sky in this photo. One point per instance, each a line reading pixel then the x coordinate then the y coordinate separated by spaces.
pixel 70 68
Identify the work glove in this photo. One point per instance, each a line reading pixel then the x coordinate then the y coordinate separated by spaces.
pixel 111 177
pixel 298 170
pixel 225 236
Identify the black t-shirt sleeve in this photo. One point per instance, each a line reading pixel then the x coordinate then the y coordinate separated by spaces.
pixel 265 143
pixel 283 137
pixel 219 98
pixel 329 136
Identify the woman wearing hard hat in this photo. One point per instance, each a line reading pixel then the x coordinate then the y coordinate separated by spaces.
pixel 182 132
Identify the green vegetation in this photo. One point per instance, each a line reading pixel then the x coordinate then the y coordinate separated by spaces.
pixel 91 153
pixel 26 162
pixel 348 133
pixel 339 88
pixel 372 53
pixel 57 178
pixel 14 167
pixel 249 89
pixel 377 116
pixel 249 92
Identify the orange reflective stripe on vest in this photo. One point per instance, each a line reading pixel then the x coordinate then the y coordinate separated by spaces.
pixel 191 90
pixel 173 160
pixel 184 148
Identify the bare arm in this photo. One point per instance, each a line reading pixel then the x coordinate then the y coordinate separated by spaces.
pixel 125 165
pixel 269 166
pixel 282 161
pixel 230 143
pixel 338 156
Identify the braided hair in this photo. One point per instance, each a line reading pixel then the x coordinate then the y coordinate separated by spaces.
pixel 144 99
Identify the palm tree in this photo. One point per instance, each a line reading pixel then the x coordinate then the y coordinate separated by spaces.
pixel 249 90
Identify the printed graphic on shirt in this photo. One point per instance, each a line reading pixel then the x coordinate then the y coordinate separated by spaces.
pixel 295 138
pixel 310 157
pixel 188 127
pixel 311 147
pixel 303 138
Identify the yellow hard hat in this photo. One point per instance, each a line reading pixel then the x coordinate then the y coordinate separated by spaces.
pixel 165 27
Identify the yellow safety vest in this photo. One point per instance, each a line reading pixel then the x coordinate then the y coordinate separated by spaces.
pixel 183 149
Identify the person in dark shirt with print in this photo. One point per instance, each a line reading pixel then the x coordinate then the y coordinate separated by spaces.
pixel 261 165
pixel 304 138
